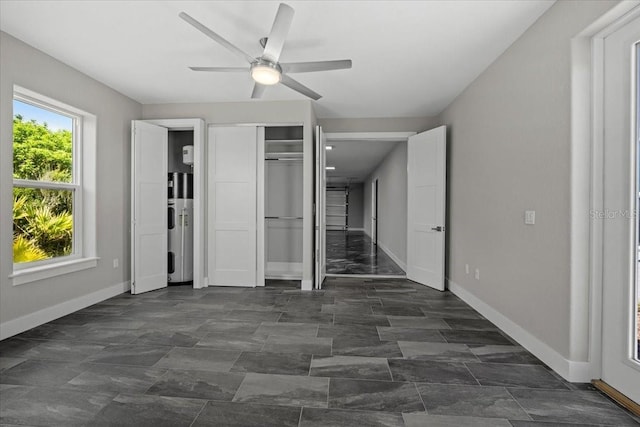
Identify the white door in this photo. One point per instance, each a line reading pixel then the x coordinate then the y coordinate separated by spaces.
pixel 620 366
pixel 149 165
pixel 321 211
pixel 232 206
pixel 426 185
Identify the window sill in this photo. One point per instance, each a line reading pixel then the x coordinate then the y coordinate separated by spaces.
pixel 28 275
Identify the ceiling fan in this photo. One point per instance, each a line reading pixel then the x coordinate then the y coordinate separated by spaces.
pixel 265 69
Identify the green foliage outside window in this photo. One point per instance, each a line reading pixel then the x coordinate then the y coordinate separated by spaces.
pixel 42 218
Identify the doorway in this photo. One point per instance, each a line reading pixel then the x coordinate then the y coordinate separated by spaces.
pixel 371 169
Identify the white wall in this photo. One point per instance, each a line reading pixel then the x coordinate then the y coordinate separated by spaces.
pixel 260 112
pixel 27 67
pixel 392 203
pixel 509 151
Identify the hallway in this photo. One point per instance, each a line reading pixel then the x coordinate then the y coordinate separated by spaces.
pixel 352 252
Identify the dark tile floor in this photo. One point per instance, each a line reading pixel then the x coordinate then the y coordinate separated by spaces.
pixel 353 252
pixel 359 352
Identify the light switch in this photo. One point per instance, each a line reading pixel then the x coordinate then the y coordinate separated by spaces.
pixel 529 217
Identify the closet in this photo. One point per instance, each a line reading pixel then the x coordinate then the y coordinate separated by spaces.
pixel 254 204
pixel 166 215
pixel 283 192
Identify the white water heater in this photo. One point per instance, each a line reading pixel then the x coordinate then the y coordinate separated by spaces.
pixel 187 155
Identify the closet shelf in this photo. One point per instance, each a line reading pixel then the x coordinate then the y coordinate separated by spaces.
pixel 283 141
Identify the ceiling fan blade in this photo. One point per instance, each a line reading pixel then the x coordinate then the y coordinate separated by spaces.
pixel 258 91
pixel 216 37
pixel 278 34
pixel 299 87
pixel 222 69
pixel 308 67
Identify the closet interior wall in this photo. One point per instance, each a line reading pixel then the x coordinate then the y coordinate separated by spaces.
pixel 283 197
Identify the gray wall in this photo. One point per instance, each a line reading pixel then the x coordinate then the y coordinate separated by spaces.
pixel 509 151
pixel 392 203
pixel 25 66
pixel 356 206
pixel 378 124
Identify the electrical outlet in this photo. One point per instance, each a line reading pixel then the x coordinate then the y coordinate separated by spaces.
pixel 466 268
pixel 530 217
pixel 116 263
pixel 477 274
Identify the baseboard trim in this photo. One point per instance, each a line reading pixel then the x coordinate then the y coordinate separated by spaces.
pixel 393 256
pixel 574 371
pixel 306 285
pixel 26 322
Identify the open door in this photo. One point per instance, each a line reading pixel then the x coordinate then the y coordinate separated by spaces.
pixel 321 210
pixel 426 195
pixel 149 165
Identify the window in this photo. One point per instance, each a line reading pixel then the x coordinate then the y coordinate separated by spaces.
pixel 49 206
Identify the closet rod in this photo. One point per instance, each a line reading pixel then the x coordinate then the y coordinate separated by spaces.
pixel 283 217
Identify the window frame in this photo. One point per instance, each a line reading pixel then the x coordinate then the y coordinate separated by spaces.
pixel 82 255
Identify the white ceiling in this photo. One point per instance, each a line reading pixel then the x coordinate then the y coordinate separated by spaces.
pixel 410 58
pixel 354 160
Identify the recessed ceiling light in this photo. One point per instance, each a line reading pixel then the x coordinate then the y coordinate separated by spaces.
pixel 329 147
pixel 330 168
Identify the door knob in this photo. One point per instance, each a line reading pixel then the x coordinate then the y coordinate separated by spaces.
pixel 438 228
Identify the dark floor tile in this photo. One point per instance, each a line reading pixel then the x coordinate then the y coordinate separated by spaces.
pixel 16 347
pixel 365 320
pixel 287 329
pixel 409 334
pixel 576 407
pixel 476 337
pixel 168 338
pixel 207 385
pixel 13 391
pixel 437 352
pixel 448 313
pixel 10 362
pixel 348 331
pixel 110 335
pixel 121 379
pixel 515 423
pixel 425 420
pixel 398 311
pixel 54 332
pixel 295 344
pixel 417 322
pixel 472 401
pixel 504 354
pixel 241 328
pixel 145 410
pixel 350 308
pixel 128 354
pixel 68 351
pixel 54 407
pixel 233 414
pixel 198 359
pixel 252 316
pixel 371 347
pixel 530 376
pixel 471 325
pixel 287 390
pixel 299 317
pixel 320 417
pixel 232 341
pixel 375 368
pixel 374 395
pixel 47 373
pixel 430 372
pixel 273 363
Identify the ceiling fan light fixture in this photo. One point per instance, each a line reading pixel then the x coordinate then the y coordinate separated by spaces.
pixel 266 73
